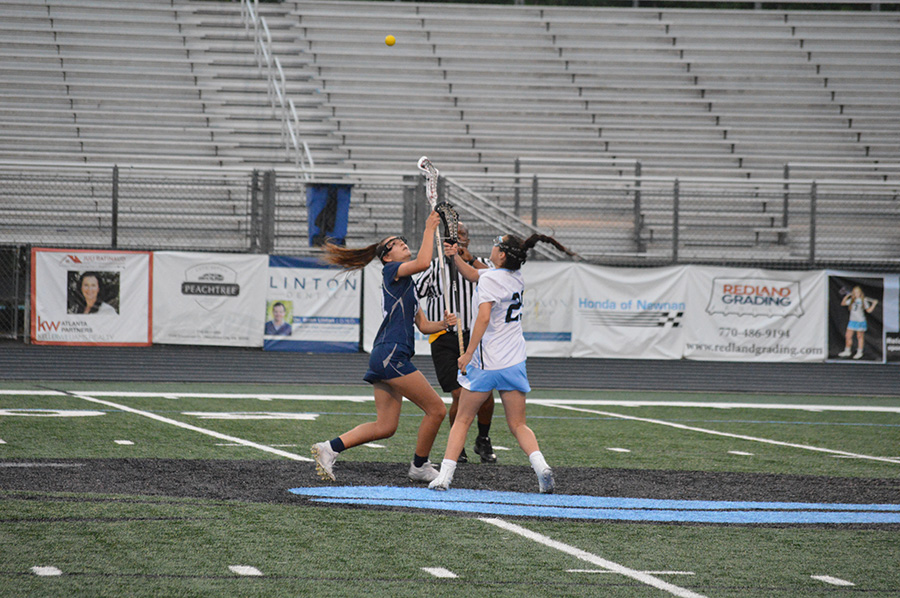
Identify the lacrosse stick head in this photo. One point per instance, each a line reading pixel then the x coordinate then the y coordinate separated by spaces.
pixel 431 179
pixel 426 166
pixel 449 220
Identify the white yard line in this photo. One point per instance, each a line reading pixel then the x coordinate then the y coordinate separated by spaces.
pixel 645 572
pixel 719 405
pixel 46 571
pixel 440 572
pixel 185 426
pixel 245 570
pixel 553 402
pixel 717 433
pixel 832 580
pixel 640 576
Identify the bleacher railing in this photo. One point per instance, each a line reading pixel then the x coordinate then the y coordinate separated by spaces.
pixel 779 223
pixel 282 106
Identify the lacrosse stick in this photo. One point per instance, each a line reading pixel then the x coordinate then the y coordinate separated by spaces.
pixel 450 220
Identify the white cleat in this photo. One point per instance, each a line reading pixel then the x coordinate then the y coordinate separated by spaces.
pixel 546 482
pixel 325 458
pixel 426 473
pixel 844 353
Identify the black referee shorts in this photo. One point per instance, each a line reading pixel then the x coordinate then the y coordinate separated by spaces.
pixel 444 354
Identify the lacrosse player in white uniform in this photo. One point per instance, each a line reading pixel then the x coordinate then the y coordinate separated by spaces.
pixel 859 305
pixel 495 356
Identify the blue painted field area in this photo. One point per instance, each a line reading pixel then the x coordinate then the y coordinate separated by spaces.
pixel 488 502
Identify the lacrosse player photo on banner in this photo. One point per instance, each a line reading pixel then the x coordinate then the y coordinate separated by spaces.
pixel 855 318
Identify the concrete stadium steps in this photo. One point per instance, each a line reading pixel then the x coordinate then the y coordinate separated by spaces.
pixel 229 64
pixel 151 66
pixel 554 64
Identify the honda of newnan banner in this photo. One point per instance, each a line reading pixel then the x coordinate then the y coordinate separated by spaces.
pixel 636 313
pixel 209 298
pixel 90 297
pixel 755 315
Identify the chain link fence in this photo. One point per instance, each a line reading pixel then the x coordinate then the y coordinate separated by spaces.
pixel 13 290
pixel 618 218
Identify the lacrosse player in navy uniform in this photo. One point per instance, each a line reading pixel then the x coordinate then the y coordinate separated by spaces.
pixel 391 371
pixel 495 356
pixel 445 348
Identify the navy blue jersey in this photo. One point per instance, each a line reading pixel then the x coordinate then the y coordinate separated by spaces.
pixel 399 306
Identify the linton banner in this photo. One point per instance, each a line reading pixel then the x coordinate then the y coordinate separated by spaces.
pixel 755 315
pixel 311 307
pixel 209 298
pixel 82 297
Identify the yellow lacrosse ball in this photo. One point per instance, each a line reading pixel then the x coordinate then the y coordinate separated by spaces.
pixel 390 40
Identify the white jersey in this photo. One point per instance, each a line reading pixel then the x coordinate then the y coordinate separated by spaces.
pixel 858 309
pixel 503 344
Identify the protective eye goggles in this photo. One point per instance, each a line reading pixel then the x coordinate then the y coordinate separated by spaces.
pixel 515 252
pixel 384 249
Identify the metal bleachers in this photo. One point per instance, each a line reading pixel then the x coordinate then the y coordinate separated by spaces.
pixel 740 91
pixel 729 94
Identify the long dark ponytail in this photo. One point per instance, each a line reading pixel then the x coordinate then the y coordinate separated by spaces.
pixel 517 250
pixel 350 259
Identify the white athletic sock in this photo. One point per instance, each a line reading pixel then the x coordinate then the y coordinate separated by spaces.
pixel 448 467
pixel 538 463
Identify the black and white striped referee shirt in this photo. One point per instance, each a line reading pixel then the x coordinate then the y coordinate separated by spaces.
pixel 429 287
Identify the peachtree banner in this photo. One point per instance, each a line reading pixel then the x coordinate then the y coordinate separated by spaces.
pixel 83 297
pixel 311 307
pixel 629 312
pixel 754 315
pixel 209 298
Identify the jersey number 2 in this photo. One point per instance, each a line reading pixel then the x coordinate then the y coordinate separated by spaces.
pixel 515 306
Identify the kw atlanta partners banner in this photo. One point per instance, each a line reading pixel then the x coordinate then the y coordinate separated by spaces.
pixel 96 297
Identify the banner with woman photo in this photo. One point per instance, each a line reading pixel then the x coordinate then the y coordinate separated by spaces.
pixel 90 297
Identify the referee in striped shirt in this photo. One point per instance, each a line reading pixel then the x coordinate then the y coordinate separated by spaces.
pixel 445 345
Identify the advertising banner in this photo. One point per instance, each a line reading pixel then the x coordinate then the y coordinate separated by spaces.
pixel 755 315
pixel 311 307
pixel 373 310
pixel 83 297
pixel 209 298
pixel 547 308
pixel 629 312
pixel 863 317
